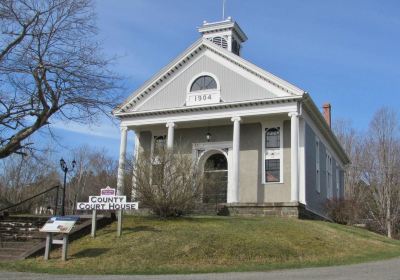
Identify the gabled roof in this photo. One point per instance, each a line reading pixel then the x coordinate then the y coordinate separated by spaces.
pixel 169 71
pixel 320 121
pixel 294 94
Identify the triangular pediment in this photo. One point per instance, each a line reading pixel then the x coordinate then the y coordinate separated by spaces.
pixel 238 81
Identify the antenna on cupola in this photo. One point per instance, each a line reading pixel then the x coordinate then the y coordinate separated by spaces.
pixel 223 9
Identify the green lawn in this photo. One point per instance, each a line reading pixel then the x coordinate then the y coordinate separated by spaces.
pixel 214 244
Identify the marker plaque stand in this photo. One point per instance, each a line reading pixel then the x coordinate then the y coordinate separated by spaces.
pixel 50 241
pixel 58 225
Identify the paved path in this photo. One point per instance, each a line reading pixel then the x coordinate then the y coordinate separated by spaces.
pixel 383 270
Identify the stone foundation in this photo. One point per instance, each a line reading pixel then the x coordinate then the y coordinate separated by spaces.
pixel 278 209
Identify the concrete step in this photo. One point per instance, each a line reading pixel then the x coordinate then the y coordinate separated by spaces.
pixel 20 222
pixel 17 244
pixel 21 229
pixel 20 237
pixel 15 223
pixel 18 229
pixel 12 250
pixel 8 257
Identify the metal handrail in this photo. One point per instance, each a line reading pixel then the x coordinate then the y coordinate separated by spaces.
pixel 25 200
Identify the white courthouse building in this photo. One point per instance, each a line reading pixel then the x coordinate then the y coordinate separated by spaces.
pixel 276 148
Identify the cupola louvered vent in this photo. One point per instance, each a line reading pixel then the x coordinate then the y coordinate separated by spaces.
pixel 220 42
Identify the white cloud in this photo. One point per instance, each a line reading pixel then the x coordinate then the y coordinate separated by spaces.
pixel 106 130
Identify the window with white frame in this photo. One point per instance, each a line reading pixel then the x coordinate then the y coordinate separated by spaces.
pixel 272 154
pixel 159 143
pixel 317 166
pixel 158 147
pixel 337 181
pixel 329 187
pixel 203 83
pixel 203 89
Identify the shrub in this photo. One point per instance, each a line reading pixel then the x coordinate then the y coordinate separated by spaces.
pixel 343 211
pixel 167 183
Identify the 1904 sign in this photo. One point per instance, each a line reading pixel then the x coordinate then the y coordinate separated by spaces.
pixel 202 98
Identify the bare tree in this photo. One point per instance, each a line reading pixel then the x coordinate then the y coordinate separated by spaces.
pixel 50 68
pixel 382 163
pixel 351 208
pixel 94 170
pixel 168 183
pixel 23 177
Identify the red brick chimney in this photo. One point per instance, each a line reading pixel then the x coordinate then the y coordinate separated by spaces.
pixel 327 113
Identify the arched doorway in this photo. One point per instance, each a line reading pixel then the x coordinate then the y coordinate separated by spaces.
pixel 215 179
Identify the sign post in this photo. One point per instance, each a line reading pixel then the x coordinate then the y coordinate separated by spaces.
pixel 49 242
pixel 62 225
pixel 119 223
pixel 94 223
pixel 108 200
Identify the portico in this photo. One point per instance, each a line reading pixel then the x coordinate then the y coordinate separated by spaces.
pixel 226 137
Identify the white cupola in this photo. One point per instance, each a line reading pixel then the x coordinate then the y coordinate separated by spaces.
pixel 226 34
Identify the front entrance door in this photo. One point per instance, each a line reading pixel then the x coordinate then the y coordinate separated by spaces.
pixel 216 179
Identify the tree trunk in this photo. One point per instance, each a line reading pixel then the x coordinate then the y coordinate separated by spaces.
pixel 389 229
pixel 388 223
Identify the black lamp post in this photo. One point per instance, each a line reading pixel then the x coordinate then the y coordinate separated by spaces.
pixel 65 169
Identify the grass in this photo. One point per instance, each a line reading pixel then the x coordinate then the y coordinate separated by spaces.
pixel 213 244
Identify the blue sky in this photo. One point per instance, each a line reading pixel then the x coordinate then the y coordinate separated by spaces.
pixel 344 52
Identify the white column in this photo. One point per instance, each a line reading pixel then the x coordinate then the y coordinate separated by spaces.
pixel 294 147
pixel 135 161
pixel 302 167
pixel 170 137
pixel 122 158
pixel 233 193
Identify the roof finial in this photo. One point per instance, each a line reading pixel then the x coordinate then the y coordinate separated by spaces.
pixel 223 9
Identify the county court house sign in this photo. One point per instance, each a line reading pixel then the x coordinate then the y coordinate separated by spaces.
pixel 107 200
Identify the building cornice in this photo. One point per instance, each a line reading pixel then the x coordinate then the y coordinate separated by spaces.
pixel 210 107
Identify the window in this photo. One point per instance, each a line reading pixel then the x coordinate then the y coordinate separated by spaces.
pixel 203 83
pixel 157 171
pixel 235 47
pixel 272 170
pixel 329 187
pixel 216 179
pixel 317 163
pixel 203 89
pixel 337 181
pixel 159 144
pixel 272 138
pixel 272 155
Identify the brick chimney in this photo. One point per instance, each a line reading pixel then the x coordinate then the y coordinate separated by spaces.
pixel 327 113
